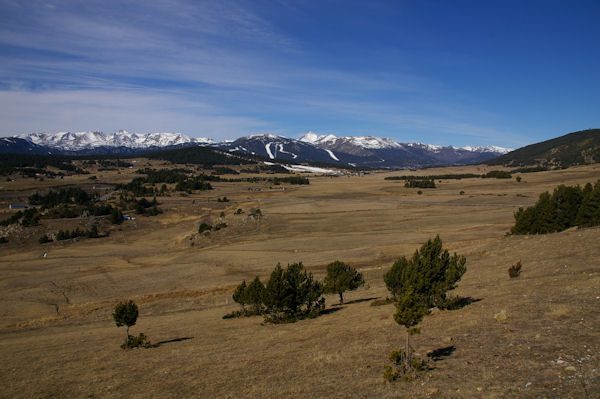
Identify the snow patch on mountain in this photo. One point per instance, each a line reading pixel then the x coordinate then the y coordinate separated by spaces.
pixel 489 148
pixel 286 152
pixel 332 155
pixel 268 149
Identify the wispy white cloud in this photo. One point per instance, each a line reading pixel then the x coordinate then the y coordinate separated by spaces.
pixel 81 110
pixel 206 68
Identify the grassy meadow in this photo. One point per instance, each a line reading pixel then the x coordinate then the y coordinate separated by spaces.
pixel 58 338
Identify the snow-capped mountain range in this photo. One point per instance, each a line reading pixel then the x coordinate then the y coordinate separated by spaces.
pixel 68 141
pixel 369 151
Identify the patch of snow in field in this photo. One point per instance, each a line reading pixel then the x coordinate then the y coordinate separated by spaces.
pixel 310 169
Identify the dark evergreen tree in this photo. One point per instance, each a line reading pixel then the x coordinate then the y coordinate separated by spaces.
pixel 566 201
pixel 293 293
pixel 116 216
pixel 275 291
pixel 239 295
pixel 342 277
pixel 589 212
pixel 421 283
pixel 430 273
pixel 255 294
pixel 393 277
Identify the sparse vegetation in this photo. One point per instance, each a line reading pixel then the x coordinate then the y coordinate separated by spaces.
pixel 419 184
pixel 457 176
pixel 497 174
pixel 290 180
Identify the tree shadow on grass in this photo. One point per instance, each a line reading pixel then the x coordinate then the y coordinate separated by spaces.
pixel 441 353
pixel 171 341
pixel 331 310
pixel 358 301
pixel 460 302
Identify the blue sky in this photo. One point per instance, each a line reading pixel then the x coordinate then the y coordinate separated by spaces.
pixel 506 73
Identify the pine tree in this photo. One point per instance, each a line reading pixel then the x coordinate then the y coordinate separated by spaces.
pixel 342 277
pixel 275 291
pixel 393 278
pixel 566 201
pixel 429 273
pixel 239 295
pixel 255 294
pixel 293 293
pixel 420 284
pixel 589 212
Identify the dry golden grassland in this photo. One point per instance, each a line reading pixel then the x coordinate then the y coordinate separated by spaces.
pixel 58 338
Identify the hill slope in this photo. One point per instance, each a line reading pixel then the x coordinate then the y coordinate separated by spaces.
pixel 576 148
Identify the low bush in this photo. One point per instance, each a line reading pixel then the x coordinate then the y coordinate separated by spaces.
pixel 204 227
pixel 141 341
pixel 403 366
pixel 515 270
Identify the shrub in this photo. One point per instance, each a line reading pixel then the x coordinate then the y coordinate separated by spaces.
pixel 342 277
pixel 402 366
pixel 515 270
pixel 44 239
pixel 219 226
pixel 204 227
pixel 141 341
pixel 116 216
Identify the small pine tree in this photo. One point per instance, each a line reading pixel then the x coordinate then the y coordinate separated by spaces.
pixel 125 314
pixel 410 310
pixel 430 273
pixel 239 295
pixel 342 277
pixel 420 284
